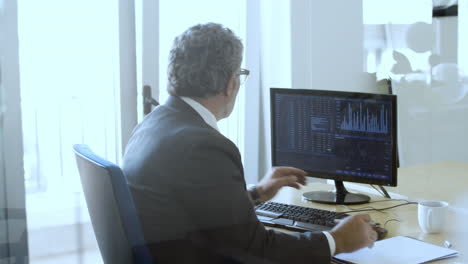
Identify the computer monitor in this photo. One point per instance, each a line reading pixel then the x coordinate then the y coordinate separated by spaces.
pixel 343 136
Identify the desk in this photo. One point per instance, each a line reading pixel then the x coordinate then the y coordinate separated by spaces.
pixel 444 181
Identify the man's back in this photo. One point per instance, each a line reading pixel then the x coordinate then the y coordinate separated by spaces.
pixel 189 190
pixel 163 159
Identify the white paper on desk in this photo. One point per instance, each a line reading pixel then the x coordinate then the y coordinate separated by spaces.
pixel 398 250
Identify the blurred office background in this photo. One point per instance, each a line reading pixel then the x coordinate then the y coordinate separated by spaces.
pixel 73 71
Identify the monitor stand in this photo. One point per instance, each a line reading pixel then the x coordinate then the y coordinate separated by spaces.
pixel 339 196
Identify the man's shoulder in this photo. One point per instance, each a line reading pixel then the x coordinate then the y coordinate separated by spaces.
pixel 181 124
pixel 176 129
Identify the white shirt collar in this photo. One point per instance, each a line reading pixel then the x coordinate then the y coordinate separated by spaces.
pixel 207 116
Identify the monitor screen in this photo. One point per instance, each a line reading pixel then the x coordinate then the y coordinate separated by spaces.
pixel 344 136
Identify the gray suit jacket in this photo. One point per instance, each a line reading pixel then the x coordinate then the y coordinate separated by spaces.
pixel 188 184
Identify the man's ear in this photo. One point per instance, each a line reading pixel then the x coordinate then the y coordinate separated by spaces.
pixel 231 85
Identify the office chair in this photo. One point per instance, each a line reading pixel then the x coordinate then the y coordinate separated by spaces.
pixel 110 205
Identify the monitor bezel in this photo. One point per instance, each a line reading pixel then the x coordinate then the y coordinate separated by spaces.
pixel 355 95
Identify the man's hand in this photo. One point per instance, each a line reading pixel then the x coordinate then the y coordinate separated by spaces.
pixel 278 177
pixel 353 233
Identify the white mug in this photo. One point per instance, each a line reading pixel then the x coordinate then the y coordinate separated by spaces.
pixel 431 215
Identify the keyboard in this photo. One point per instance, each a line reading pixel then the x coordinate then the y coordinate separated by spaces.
pixel 298 218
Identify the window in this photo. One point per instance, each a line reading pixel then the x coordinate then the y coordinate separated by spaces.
pixel 68 87
pixel 69 68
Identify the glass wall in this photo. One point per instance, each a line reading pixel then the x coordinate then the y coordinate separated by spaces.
pixel 424 55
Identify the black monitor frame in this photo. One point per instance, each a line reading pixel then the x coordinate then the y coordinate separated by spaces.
pixel 354 95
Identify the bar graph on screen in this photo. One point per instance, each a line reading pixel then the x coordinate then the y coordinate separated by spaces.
pixel 364 119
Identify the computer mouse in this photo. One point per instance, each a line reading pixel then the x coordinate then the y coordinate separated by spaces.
pixel 381 232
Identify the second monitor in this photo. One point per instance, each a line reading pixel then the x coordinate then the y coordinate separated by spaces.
pixel 343 136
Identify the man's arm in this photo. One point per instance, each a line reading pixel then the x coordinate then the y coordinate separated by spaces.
pixel 273 181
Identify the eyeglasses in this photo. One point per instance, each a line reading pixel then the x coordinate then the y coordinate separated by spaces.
pixel 243 75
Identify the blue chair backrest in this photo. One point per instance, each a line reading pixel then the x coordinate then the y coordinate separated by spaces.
pixel 111 208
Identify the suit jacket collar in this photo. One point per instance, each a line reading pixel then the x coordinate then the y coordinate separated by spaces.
pixel 177 104
pixel 206 114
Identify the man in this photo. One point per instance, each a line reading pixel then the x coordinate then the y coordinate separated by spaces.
pixel 187 179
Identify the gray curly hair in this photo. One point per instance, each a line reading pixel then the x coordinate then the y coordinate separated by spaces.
pixel 202 60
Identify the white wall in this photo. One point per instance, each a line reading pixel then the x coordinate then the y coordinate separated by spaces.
pixel 312 45
pixel 252 94
pixel 275 69
pixel 327 46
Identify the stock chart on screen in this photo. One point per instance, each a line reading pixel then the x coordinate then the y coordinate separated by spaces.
pixel 335 133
